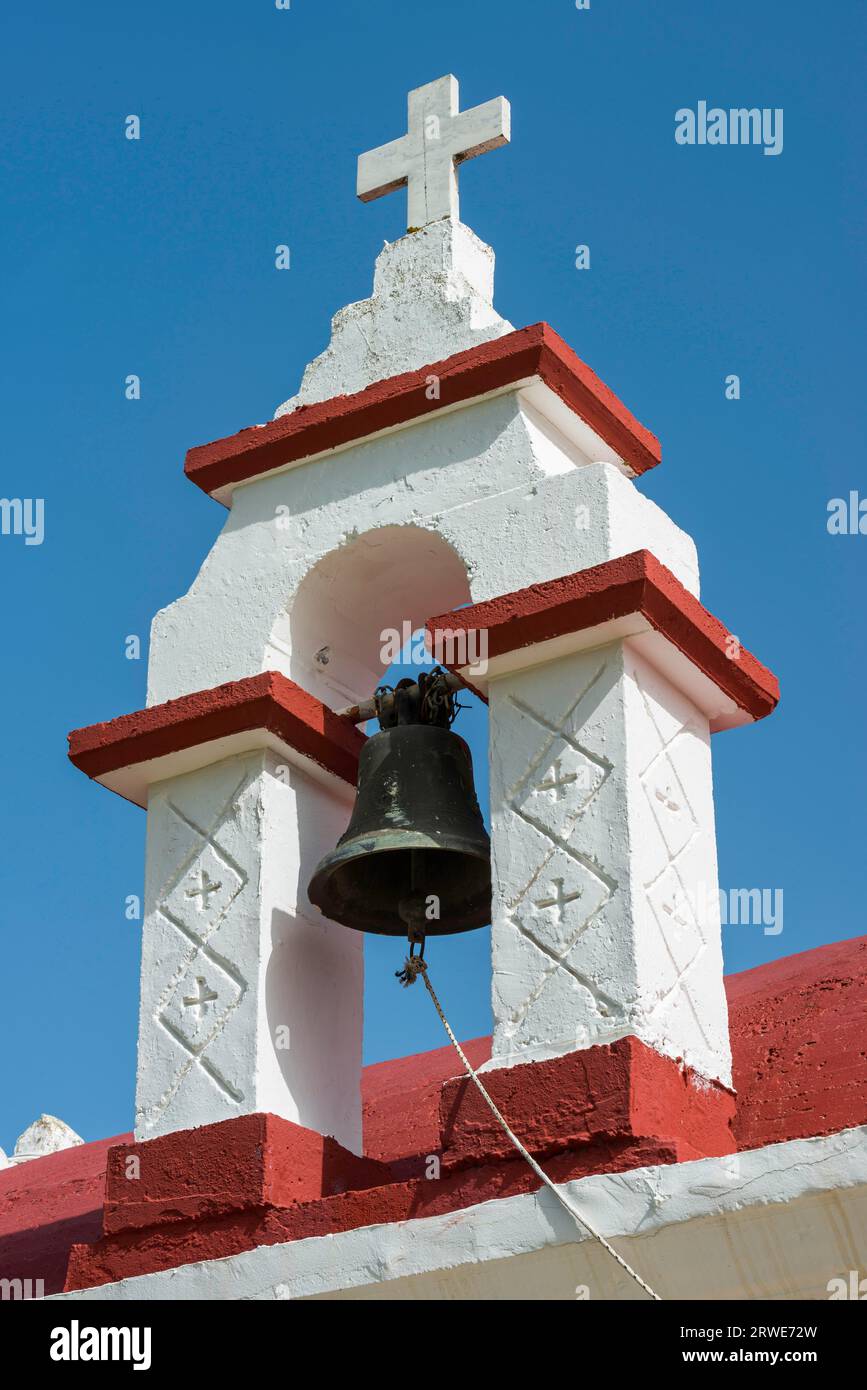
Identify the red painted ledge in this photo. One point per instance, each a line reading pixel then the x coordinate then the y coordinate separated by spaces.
pixel 632 584
pixel 251 1161
pixel 800 1069
pixel 268 701
pixel 531 352
pixel 212 1192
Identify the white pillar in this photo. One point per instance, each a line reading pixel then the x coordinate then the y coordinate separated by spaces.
pixel 606 915
pixel 248 1004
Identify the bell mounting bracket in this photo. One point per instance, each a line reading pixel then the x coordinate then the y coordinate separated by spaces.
pixel 429 700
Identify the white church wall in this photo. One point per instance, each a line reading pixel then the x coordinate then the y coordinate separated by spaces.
pixel 228 1023
pixel 432 296
pixel 602 833
pixel 471 476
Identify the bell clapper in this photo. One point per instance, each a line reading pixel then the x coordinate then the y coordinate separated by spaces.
pixel 411 911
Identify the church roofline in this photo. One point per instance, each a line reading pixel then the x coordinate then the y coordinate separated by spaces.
pixel 799 1074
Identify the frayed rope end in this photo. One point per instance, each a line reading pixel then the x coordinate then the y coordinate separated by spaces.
pixel 413 966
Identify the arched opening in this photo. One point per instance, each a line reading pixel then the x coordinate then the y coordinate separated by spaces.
pixel 347 609
pixel 401 1022
pixel 357 607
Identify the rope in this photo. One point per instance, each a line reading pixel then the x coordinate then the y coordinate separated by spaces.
pixel 417 965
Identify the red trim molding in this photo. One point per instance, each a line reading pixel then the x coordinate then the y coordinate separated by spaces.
pixel 623 1089
pixel 632 584
pixel 268 701
pixel 250 1161
pixel 800 1069
pixel 520 356
pixel 213 1192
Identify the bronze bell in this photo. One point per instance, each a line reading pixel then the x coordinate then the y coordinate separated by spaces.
pixel 416 845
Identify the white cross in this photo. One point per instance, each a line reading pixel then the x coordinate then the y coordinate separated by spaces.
pixel 559 900
pixel 205 995
pixel 439 138
pixel 206 887
pixel 558 782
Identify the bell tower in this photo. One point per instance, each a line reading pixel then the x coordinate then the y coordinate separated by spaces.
pixel 438 467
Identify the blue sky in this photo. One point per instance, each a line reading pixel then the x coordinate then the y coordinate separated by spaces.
pixel 157 258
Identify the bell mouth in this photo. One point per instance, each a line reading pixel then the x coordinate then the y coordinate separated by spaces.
pixel 360 883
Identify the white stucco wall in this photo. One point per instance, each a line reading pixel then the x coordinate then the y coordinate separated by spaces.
pixel 313 563
pixel 603 835
pixel 281 1026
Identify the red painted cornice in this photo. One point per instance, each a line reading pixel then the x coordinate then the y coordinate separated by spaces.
pixel 268 701
pixel 632 584
pixel 535 352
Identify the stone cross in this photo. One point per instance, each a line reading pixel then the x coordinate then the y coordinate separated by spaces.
pixel 204 996
pixel 559 900
pixel 205 889
pixel 439 137
pixel 559 781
